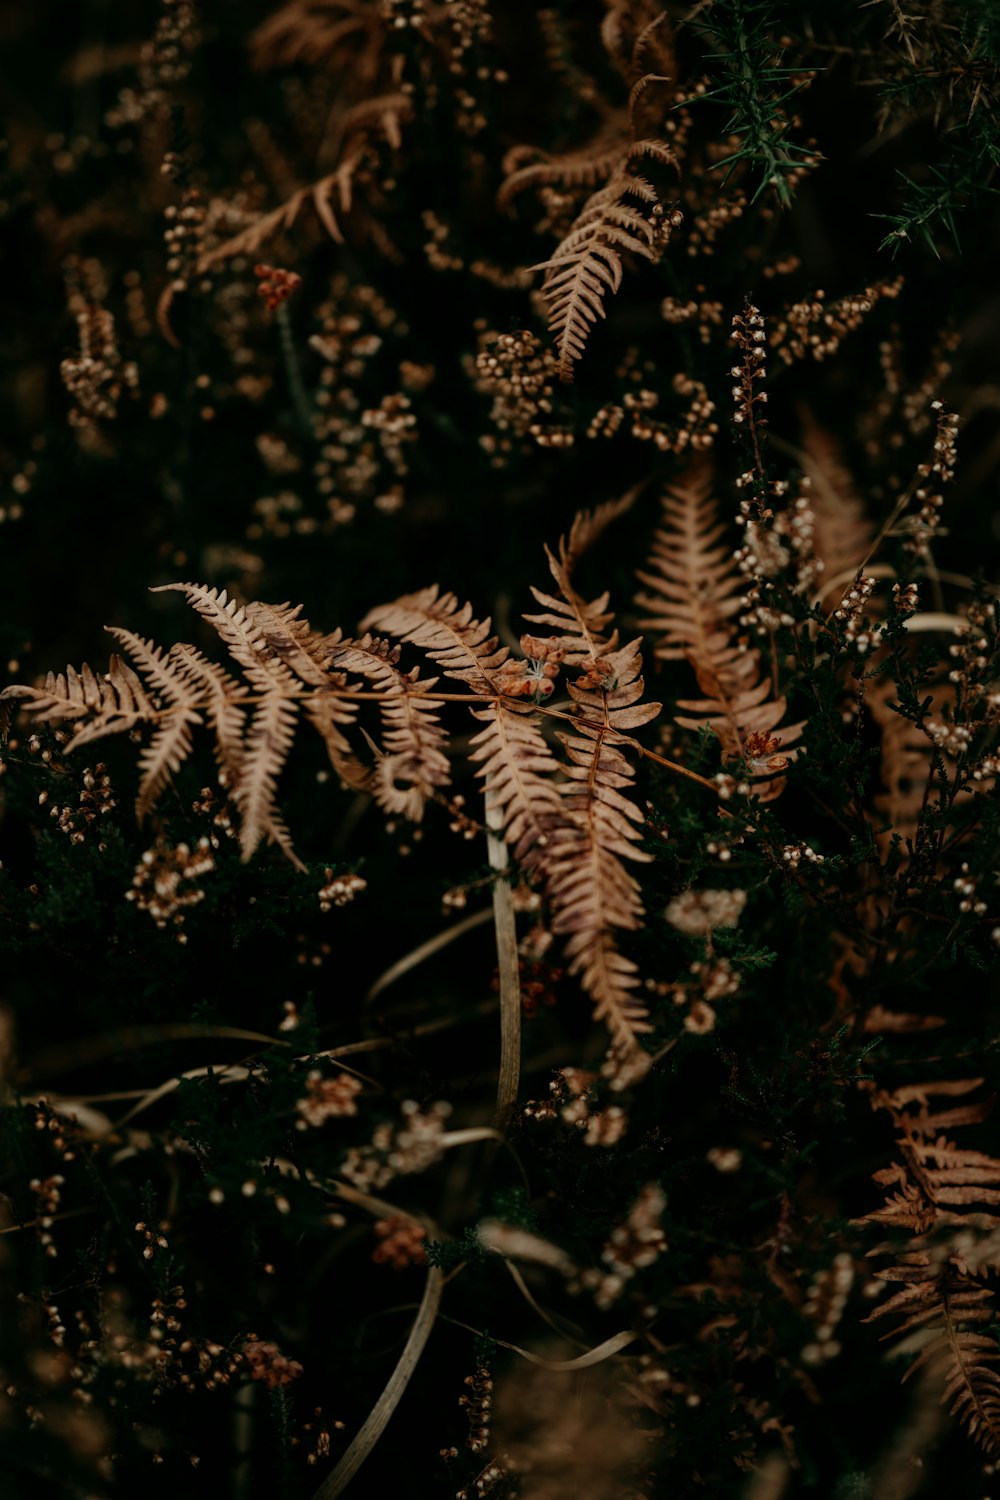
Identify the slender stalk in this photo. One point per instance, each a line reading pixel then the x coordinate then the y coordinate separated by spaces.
pixel 508 969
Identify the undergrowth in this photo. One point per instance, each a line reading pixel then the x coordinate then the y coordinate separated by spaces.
pixel 499 965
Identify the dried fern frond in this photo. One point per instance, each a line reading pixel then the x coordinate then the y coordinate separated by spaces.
pixel 111 704
pixel 320 194
pixel 318 32
pixel 693 595
pixel 843 533
pixel 289 671
pixel 693 585
pixel 638 39
pixel 942 1302
pixel 574 832
pixel 570 822
pixel 171 743
pixel 588 166
pixel 740 708
pixel 519 768
pixel 591 892
pixel 587 264
pixel 449 633
pixel 413 762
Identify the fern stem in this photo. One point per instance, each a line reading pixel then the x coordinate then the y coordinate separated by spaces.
pixel 481 700
pixel 508 968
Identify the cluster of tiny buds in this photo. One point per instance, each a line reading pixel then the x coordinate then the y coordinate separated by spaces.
pixel 411 1148
pixel 456 898
pixel 400 1242
pixel 321 1443
pixel 401 14
pixel 96 802
pixel 62 1131
pixel 439 258
pixel 495 1473
pixel 698 913
pixel 816 329
pixel 824 1306
pixel 48 1193
pixel 572 1098
pixel 924 525
pixel 725 1159
pixel 275 285
pixel 207 804
pixel 154 1237
pixel 850 612
pixel 797 524
pixel 707 315
pixel 748 334
pixel 953 739
pixel 634 1244
pixel 518 371
pixel 906 598
pixel 267 1363
pixel 970 651
pixel 718 978
pixel 793 854
pixel 986 769
pixel 185 222
pixel 95 377
pixel 965 886
pixel 535 676
pixel 164 64
pixel 163 883
pixel 327 1098
pixel 339 890
pixel 460 821
pixel 728 787
pixel 478 1408
pixel 395 425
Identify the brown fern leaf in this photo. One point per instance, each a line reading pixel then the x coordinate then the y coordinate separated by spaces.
pixel 843 534
pixel 738 707
pixel 587 264
pixel 594 163
pixel 582 623
pixel 511 752
pixel 171 743
pixel 693 586
pixel 267 746
pixel 271 733
pixel 941 1299
pixel 947 1311
pixel 221 703
pixel 320 194
pixel 449 634
pixel 412 762
pixel 693 595
pixel 591 892
pixel 311 657
pixel 318 32
pixel 111 704
pixel 518 768
pixel 231 621
pixel 637 37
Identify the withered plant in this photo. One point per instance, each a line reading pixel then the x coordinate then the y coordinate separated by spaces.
pixel 537 1035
